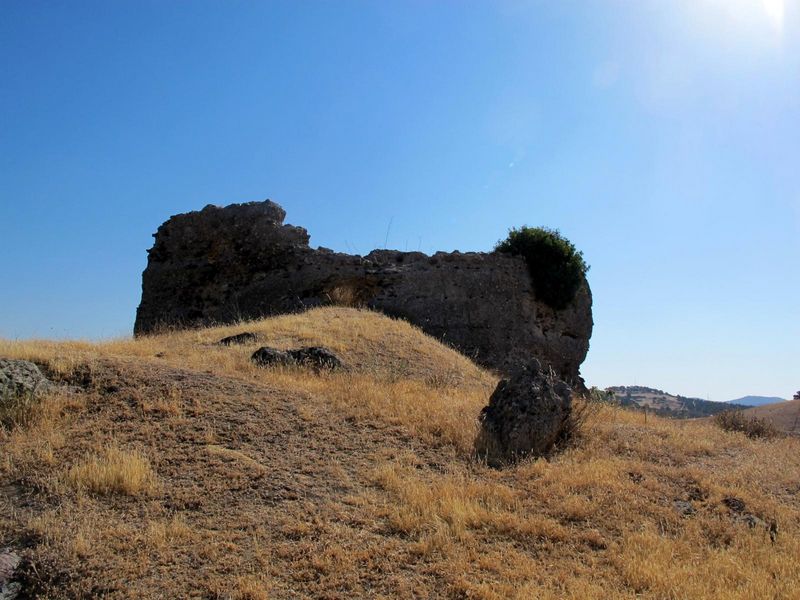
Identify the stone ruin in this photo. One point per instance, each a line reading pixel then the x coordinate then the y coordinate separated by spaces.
pixel 220 265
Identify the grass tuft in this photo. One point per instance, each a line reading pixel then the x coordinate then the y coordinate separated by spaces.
pixel 114 471
pixel 16 408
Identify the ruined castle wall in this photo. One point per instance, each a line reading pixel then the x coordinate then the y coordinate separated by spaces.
pixel 219 265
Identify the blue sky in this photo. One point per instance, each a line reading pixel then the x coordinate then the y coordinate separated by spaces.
pixel 662 138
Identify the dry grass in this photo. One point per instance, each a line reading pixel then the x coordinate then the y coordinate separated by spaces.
pixel 16 409
pixel 114 471
pixel 784 416
pixel 344 296
pixel 395 371
pixel 181 470
pixel 750 425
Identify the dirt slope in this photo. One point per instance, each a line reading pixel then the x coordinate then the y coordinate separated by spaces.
pixel 243 471
pixel 179 470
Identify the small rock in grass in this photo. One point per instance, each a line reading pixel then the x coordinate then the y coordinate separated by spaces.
pixel 9 561
pixel 684 507
pixel 316 357
pixel 271 357
pixel 21 377
pixel 735 504
pixel 238 339
pixel 751 521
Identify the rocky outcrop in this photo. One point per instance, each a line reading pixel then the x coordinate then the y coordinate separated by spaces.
pixel 220 265
pixel 314 357
pixel 527 415
pixel 21 377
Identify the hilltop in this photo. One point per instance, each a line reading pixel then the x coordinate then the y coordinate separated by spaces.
pixel 171 467
pixel 756 400
pixel 666 404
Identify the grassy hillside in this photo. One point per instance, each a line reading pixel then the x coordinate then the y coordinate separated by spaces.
pixel 667 405
pixel 784 415
pixel 178 469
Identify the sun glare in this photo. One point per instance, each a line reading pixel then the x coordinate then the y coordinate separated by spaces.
pixel 774 10
pixel 758 17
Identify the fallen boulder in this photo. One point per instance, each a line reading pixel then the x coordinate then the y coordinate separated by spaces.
pixel 527 415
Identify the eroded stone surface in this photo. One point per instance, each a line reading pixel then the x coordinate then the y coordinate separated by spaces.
pixel 21 377
pixel 526 416
pixel 219 265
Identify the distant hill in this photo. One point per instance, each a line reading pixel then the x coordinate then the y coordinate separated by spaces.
pixel 666 404
pixel 756 400
pixel 785 415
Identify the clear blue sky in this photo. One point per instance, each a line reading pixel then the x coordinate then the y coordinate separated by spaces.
pixel 663 138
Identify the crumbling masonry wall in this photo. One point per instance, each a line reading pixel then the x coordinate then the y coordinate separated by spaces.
pixel 220 265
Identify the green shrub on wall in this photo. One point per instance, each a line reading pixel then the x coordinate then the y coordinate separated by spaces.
pixel 557 268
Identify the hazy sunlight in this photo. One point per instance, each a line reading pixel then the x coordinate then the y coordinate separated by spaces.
pixel 775 11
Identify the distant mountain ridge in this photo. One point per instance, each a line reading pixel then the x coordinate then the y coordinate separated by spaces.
pixel 666 404
pixel 756 400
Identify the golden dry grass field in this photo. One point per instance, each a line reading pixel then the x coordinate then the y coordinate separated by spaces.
pixel 783 415
pixel 177 469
